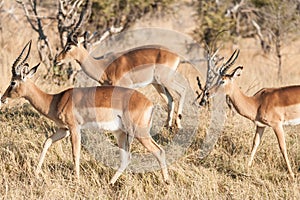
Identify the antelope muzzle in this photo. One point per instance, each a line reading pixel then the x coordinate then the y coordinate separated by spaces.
pixel 204 99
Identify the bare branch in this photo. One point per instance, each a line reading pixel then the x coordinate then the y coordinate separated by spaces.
pixel 76 5
pixel 27 15
pixel 68 22
pixel 199 94
pixel 234 10
pixel 266 47
pixel 85 13
pixel 35 21
pixel 212 67
pixel 107 33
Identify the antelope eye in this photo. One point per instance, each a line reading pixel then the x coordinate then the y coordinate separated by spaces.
pixel 68 48
pixel 13 83
pixel 222 82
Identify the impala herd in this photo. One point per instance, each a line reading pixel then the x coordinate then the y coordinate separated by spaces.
pixel 117 107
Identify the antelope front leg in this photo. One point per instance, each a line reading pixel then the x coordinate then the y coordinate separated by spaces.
pixel 180 88
pixel 159 153
pixel 76 147
pixel 171 106
pixel 124 142
pixel 58 135
pixel 281 141
pixel 125 159
pixel 256 142
pixel 165 94
pixel 180 107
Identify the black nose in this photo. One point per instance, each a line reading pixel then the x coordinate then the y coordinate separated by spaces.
pixel 3 100
pixel 203 102
pixel 55 61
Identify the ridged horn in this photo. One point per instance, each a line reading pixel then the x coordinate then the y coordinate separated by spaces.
pixel 20 59
pixel 229 62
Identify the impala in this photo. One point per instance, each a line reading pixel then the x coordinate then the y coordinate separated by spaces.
pixel 135 68
pixel 125 112
pixel 273 107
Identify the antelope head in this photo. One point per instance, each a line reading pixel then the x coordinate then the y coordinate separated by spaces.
pixel 70 50
pixel 73 42
pixel 222 78
pixel 212 61
pixel 20 73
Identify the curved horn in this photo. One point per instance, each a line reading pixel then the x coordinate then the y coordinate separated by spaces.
pixel 28 52
pixel 229 62
pixel 19 58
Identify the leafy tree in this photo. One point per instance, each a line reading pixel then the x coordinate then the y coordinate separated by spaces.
pixel 212 22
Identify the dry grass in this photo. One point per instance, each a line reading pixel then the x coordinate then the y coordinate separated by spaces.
pixel 222 175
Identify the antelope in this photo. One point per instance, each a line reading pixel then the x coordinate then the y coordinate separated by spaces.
pixel 125 112
pixel 272 107
pixel 135 68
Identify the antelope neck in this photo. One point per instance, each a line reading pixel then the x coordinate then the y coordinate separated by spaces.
pixel 244 105
pixel 40 100
pixel 91 66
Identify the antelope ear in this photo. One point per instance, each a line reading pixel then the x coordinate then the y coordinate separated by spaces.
pixel 32 71
pixel 236 72
pixel 74 39
pixel 23 70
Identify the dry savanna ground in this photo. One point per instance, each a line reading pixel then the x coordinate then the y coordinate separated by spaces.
pixel 222 175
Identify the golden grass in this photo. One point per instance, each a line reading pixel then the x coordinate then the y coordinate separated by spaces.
pixel 222 175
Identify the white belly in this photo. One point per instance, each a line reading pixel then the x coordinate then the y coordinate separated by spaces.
pixel 108 126
pixel 292 115
pixel 99 119
pixel 292 122
pixel 138 77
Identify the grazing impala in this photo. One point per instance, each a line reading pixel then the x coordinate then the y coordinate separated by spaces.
pixel 125 112
pixel 273 107
pixel 135 68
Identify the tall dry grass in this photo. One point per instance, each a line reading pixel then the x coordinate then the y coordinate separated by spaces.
pixel 222 175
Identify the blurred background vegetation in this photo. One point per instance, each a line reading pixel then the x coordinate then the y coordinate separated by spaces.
pixel 273 22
